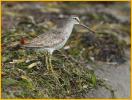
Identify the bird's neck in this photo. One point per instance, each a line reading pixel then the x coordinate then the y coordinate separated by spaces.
pixel 67 28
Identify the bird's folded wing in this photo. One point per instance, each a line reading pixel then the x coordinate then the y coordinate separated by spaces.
pixel 46 40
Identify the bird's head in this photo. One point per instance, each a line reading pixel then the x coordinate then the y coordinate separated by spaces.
pixel 75 19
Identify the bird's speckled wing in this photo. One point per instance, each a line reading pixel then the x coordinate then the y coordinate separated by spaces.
pixel 47 40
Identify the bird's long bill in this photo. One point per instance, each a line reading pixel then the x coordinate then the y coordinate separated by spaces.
pixel 87 28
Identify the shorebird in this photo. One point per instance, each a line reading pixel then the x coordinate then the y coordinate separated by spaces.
pixel 54 39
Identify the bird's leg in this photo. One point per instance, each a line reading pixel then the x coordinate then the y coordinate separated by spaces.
pixel 52 70
pixel 46 60
pixel 50 62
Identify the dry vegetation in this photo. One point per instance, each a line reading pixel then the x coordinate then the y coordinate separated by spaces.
pixel 24 72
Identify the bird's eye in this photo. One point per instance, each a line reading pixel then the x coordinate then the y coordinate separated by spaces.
pixel 76 19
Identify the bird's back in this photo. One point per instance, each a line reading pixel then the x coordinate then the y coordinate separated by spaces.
pixel 46 40
pixel 53 39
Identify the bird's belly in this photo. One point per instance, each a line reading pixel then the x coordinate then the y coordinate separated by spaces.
pixel 59 46
pixel 56 47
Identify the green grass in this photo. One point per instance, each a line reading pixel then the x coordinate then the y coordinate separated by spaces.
pixel 35 83
pixel 24 73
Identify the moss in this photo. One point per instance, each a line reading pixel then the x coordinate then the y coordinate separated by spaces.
pixel 73 79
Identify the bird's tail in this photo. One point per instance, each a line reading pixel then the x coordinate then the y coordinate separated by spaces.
pixel 23 42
